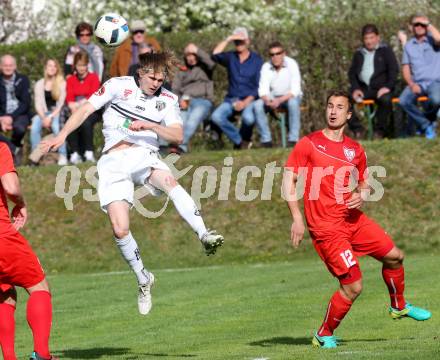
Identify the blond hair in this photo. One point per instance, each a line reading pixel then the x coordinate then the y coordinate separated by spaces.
pixel 58 80
pixel 162 62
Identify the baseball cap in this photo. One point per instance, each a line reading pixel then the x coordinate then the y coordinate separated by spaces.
pixel 241 31
pixel 137 25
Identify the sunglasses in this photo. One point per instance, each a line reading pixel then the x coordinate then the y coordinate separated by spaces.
pixel 85 34
pixel 419 24
pixel 276 54
pixel 138 32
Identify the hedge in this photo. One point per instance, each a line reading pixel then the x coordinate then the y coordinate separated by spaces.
pixel 323 52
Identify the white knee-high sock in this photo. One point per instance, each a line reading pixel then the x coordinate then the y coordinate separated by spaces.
pixel 130 252
pixel 187 209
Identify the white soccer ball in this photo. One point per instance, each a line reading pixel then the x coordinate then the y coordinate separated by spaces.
pixel 111 29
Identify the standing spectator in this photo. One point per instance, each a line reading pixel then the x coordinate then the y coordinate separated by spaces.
pixel 421 71
pixel 128 52
pixel 143 49
pixel 194 86
pixel 15 104
pixel 49 97
pixel 80 86
pixel 244 68
pixel 280 87
pixel 373 75
pixel 83 33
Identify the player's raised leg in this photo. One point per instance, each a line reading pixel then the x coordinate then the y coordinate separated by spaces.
pixel 8 300
pixel 118 212
pixel 338 306
pixel 187 208
pixel 393 274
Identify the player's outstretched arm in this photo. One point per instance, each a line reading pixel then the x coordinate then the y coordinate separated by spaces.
pixel 74 122
pixel 11 186
pixel 172 133
pixel 289 193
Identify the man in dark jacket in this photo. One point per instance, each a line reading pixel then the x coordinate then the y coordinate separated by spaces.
pixel 194 86
pixel 15 103
pixel 373 75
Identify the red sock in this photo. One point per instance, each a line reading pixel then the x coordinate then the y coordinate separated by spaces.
pixel 7 331
pixel 338 307
pixel 395 281
pixel 39 317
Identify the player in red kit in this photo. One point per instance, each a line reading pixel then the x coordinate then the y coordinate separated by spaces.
pixel 19 266
pixel 328 161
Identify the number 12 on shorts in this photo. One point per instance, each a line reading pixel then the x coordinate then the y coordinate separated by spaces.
pixel 347 256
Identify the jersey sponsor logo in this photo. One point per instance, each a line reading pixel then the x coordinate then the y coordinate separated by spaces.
pixel 100 91
pixel 167 95
pixel 322 147
pixel 141 108
pixel 349 153
pixel 160 105
pixel 127 92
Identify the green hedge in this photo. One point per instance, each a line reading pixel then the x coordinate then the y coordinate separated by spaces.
pixel 323 52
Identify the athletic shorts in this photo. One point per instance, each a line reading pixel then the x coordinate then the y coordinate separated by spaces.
pixel 19 266
pixel 119 171
pixel 340 246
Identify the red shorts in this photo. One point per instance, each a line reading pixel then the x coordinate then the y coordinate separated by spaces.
pixel 340 246
pixel 19 266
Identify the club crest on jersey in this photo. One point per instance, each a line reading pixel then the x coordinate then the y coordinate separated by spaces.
pixel 160 105
pixel 100 91
pixel 349 153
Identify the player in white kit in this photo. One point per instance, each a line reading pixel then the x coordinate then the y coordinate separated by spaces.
pixel 132 126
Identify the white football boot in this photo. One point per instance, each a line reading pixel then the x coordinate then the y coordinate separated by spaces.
pixel 211 241
pixel 144 296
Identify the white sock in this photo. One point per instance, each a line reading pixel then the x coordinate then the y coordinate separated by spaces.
pixel 130 252
pixel 187 209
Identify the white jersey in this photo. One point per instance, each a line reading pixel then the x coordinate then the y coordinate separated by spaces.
pixel 126 103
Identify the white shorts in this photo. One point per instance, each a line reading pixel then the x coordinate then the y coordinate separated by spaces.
pixel 119 171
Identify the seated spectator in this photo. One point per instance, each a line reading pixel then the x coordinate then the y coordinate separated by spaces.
pixel 79 87
pixel 280 87
pixel 49 97
pixel 143 49
pixel 194 86
pixel 243 68
pixel 84 33
pixel 15 105
pixel 128 52
pixel 373 75
pixel 421 71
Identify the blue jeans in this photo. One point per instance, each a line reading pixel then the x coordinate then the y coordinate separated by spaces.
pixel 37 125
pixel 408 102
pixel 221 116
pixel 197 112
pixel 294 116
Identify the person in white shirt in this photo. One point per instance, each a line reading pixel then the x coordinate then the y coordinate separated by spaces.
pixel 132 126
pixel 279 87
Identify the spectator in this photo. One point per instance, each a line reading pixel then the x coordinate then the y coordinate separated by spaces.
pixel 421 71
pixel 84 33
pixel 79 87
pixel 143 49
pixel 243 68
pixel 49 97
pixel 15 104
pixel 128 52
pixel 280 87
pixel 373 75
pixel 194 86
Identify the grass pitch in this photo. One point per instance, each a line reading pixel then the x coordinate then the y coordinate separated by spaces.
pixel 253 311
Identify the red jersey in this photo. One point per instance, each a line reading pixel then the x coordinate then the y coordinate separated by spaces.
pixel 327 167
pixel 6 166
pixel 77 89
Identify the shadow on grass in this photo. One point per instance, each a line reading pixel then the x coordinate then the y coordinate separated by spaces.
pixel 282 340
pixel 108 352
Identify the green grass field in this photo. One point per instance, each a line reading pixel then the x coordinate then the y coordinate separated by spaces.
pixel 259 311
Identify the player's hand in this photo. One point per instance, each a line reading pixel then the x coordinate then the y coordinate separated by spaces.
pixel 139 125
pixel 416 89
pixel 382 91
pixel 19 216
pixel 297 232
pixel 355 201
pixel 52 144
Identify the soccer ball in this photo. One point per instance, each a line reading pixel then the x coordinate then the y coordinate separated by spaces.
pixel 111 29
